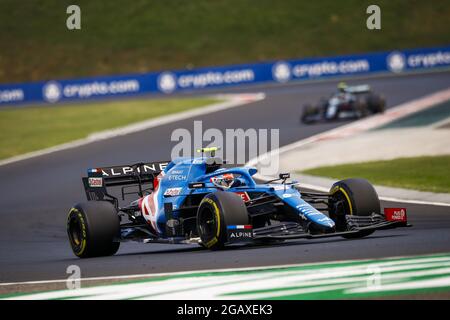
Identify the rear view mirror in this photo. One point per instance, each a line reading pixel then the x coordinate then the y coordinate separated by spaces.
pixel 284 176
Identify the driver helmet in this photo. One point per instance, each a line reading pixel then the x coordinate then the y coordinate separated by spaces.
pixel 225 180
pixel 342 86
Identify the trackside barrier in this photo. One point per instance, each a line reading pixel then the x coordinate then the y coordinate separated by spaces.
pixel 168 82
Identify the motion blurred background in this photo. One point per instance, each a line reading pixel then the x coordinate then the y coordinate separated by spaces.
pixel 119 36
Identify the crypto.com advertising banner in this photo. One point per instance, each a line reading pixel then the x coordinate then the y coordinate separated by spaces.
pixel 168 82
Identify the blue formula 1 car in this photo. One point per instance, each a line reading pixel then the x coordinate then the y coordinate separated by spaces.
pixel 198 200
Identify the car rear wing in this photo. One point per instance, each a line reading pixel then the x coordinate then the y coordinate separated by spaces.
pixel 364 88
pixel 98 179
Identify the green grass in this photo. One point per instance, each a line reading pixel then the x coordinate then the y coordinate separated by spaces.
pixel 33 128
pixel 122 36
pixel 421 173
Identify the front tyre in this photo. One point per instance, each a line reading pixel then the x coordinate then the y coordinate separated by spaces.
pixel 361 109
pixel 215 212
pixel 353 197
pixel 308 114
pixel 92 228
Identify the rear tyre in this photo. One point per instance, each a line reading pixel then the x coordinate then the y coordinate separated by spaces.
pixel 376 103
pixel 361 108
pixel 358 197
pixel 215 212
pixel 92 228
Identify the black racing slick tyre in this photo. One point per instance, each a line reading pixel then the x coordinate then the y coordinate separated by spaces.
pixel 215 212
pixel 361 108
pixel 358 197
pixel 376 103
pixel 92 228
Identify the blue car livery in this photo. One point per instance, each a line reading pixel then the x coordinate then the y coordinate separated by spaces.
pixel 200 200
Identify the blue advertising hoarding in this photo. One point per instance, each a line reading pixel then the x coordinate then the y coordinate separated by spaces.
pixel 168 82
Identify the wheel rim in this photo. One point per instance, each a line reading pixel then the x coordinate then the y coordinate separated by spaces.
pixel 75 231
pixel 208 223
pixel 339 217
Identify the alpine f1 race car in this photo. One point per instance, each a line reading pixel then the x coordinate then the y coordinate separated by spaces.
pixel 198 200
pixel 349 102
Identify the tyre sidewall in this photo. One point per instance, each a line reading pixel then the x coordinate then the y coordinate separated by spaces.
pixel 215 240
pixel 363 200
pixel 99 224
pixel 360 194
pixel 228 209
pixel 80 248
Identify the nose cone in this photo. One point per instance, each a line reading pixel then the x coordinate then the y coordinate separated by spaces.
pixel 323 225
pixel 318 221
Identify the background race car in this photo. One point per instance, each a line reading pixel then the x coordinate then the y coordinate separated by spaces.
pixel 349 102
